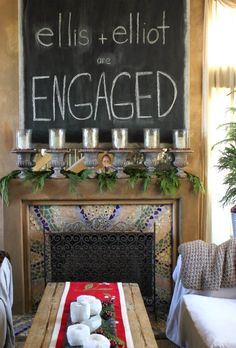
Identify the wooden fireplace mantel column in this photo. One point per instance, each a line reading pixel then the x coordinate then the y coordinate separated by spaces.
pixel 186 205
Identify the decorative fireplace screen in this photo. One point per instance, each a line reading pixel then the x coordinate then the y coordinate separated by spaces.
pixel 102 257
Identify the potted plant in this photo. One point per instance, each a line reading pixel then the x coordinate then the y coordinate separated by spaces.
pixel 227 163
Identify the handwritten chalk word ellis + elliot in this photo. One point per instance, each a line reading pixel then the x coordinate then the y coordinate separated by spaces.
pixel 70 34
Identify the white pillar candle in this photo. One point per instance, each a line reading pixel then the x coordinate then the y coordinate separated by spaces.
pixel 24 139
pixel 56 138
pixel 151 138
pixel 90 138
pixel 119 138
pixel 180 138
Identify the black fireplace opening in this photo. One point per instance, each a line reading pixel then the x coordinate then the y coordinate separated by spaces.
pixel 127 257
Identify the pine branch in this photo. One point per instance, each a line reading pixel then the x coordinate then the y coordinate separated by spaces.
pixel 168 180
pixel 135 173
pixel 76 178
pixel 106 180
pixel 4 186
pixel 37 178
pixel 197 185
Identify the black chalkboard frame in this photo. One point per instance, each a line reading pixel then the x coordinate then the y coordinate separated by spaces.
pixel 104 74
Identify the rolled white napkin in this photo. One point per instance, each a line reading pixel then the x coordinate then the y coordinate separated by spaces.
pixel 97 341
pixel 95 303
pixel 78 334
pixel 87 298
pixel 93 323
pixel 79 311
pixel 95 307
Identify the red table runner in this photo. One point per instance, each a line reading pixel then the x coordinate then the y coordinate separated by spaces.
pixel 107 293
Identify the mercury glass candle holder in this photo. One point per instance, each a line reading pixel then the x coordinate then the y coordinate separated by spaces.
pixel 91 160
pixel 56 138
pixel 90 138
pixel 180 139
pixel 25 160
pixel 119 138
pixel 24 139
pixel 151 158
pixel 151 138
pixel 119 160
pixel 181 160
pixel 58 161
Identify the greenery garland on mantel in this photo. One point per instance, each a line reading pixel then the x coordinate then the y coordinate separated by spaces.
pixel 166 179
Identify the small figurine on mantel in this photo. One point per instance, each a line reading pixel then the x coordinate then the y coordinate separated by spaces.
pixel 105 163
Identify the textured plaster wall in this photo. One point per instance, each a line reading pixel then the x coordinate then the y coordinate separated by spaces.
pixel 8 88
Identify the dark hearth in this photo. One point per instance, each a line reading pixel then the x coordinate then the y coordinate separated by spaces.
pixel 102 257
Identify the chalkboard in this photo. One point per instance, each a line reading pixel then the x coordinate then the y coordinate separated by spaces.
pixel 105 64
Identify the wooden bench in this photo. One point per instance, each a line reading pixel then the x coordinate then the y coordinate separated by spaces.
pixel 44 320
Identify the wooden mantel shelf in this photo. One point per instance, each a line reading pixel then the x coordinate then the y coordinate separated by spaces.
pixel 185 207
pixel 57 189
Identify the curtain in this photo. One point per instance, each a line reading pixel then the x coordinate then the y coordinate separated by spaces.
pixel 229 3
pixel 219 78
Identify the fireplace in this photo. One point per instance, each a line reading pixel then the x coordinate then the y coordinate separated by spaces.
pixel 55 209
pixel 128 242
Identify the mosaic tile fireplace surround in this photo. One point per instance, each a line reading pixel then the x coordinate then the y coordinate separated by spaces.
pixel 97 218
pixel 54 208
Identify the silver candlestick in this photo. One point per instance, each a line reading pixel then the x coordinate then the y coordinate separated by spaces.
pixel 151 158
pixel 119 160
pixel 91 160
pixel 181 160
pixel 25 160
pixel 58 161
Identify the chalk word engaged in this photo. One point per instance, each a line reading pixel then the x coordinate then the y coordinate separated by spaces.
pixel 61 95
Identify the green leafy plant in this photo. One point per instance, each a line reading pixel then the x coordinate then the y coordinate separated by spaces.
pixel 167 180
pixel 37 178
pixel 4 185
pixel 197 185
pixel 137 172
pixel 76 178
pixel 166 174
pixel 106 180
pixel 227 159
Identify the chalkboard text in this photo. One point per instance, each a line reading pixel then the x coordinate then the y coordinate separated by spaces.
pixel 117 109
pixel 136 31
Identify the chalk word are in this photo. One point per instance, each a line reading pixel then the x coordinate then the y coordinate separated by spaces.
pixel 135 31
pixel 64 97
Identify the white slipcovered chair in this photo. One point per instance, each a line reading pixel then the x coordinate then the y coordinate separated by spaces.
pixel 201 318
pixel 6 300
